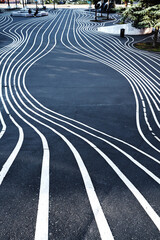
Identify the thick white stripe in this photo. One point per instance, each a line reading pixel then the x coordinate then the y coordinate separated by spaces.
pixel 122 71
pixel 44 191
pixel 140 198
pixel 14 153
pixel 3 125
pixel 41 232
pixel 99 215
pixel 134 191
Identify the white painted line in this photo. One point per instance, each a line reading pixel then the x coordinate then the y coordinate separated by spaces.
pixel 122 71
pixel 135 191
pixel 14 153
pixel 97 210
pixel 41 232
pixel 44 187
pixel 139 195
pixel 101 221
pixel 3 126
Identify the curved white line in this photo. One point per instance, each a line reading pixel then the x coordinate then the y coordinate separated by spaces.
pixel 136 193
pixel 99 216
pixel 13 155
pixel 122 72
pixel 3 126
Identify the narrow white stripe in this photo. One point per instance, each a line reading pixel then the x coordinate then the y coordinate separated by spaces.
pixel 3 125
pixel 89 188
pixel 44 188
pixel 101 221
pixel 119 70
pixel 97 210
pixel 136 193
pixel 146 206
pixel 14 153
pixel 41 232
pixel 157 138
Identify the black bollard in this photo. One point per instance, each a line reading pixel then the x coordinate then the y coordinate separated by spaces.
pixel 122 31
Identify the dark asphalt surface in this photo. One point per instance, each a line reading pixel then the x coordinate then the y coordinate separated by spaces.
pixel 95 94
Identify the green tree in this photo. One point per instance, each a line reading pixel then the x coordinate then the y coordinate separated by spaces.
pixel 131 2
pixel 143 17
pixel 147 3
pixel 126 2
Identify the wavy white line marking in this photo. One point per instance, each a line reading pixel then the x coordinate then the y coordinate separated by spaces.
pixel 43 206
pixel 122 71
pixel 14 153
pixel 132 188
pixel 140 197
pixel 136 79
pixel 98 213
pixel 3 126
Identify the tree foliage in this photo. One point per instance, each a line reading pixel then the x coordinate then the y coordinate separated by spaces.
pixel 126 2
pixel 147 3
pixel 142 17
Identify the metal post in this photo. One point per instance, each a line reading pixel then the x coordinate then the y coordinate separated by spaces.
pixel 89 6
pixel 101 7
pixel 54 4
pixel 95 14
pixel 108 10
pixel 8 4
pixel 122 32
pixel 23 3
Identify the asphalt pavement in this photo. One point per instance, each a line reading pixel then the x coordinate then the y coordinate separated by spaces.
pixel 79 133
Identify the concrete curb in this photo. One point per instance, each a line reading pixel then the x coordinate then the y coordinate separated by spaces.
pixel 129 30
